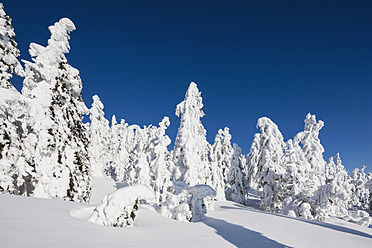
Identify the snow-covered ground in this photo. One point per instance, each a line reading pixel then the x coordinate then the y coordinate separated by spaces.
pixel 34 222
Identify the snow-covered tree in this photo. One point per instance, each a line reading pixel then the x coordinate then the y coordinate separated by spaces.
pixel 118 155
pixel 297 170
pixel 298 197
pixel 361 193
pixel 15 171
pixel 222 153
pixel 187 203
pixel 59 140
pixel 197 205
pixel 119 208
pixel 237 180
pixel 99 139
pixel 313 150
pixel 265 164
pixel 191 148
pixel 139 166
pixel 161 163
pixel 9 63
pixel 337 174
pixel 333 197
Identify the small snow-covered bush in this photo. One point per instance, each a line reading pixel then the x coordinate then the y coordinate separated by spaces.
pixel 187 203
pixel 198 194
pixel 118 209
pixel 176 205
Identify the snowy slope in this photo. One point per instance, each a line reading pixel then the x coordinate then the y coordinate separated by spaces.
pixel 33 222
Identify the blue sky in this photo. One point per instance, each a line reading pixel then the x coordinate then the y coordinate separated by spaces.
pixel 280 59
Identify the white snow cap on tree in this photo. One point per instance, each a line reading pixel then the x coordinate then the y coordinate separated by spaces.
pixel 47 59
pixel 191 148
pixel 199 193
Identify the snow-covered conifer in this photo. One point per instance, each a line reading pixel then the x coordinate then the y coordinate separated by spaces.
pixel 139 164
pixel 16 174
pixel 265 164
pixel 54 87
pixel 197 206
pixel 237 181
pixel 118 155
pixel 99 139
pixel 15 171
pixel 191 148
pixel 161 164
pixel 119 208
pixel 313 150
pixel 297 170
pixel 222 152
pixel 361 195
pixel 296 193
pixel 333 198
pixel 9 63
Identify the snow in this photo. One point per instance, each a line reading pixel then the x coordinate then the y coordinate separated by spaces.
pixel 106 186
pixel 119 207
pixel 48 223
pixel 47 151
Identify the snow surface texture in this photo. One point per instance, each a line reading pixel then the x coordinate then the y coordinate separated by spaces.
pixel 47 223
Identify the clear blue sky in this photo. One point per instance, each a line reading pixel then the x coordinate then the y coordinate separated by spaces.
pixel 280 59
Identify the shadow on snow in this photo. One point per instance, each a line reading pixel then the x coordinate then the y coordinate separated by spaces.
pixel 313 222
pixel 240 236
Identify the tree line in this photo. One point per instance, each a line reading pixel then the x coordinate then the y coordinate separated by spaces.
pixel 47 151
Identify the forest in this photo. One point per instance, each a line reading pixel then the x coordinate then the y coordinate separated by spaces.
pixel 47 151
